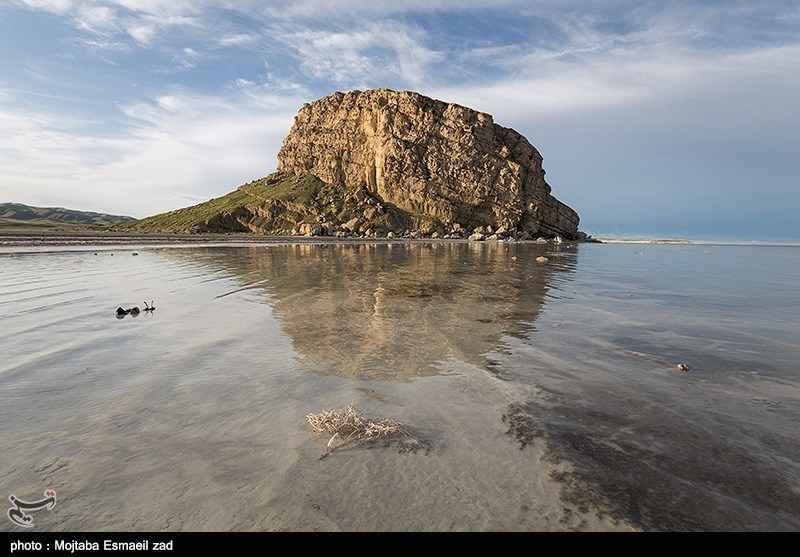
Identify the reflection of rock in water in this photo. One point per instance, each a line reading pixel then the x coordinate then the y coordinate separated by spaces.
pixel 377 311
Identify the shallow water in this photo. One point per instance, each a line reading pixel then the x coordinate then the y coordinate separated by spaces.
pixel 544 396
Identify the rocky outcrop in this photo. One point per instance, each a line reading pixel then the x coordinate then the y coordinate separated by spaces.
pixel 381 162
pixel 427 157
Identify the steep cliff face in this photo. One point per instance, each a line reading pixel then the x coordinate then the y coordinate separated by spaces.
pixel 427 157
pixel 381 162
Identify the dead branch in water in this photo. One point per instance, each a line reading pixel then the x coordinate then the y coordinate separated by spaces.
pixel 352 427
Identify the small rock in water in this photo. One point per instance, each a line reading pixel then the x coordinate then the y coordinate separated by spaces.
pixel 134 253
pixel 683 367
pixel 541 259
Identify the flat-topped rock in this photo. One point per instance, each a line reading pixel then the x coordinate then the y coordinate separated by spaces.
pixel 428 158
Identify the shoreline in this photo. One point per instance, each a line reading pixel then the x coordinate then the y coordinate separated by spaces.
pixel 649 241
pixel 30 237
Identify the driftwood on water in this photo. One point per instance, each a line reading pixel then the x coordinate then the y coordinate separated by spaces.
pixel 350 427
pixel 134 311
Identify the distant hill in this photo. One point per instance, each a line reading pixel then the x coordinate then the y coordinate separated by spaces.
pixel 19 215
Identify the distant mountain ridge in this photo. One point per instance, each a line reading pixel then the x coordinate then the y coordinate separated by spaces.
pixel 21 215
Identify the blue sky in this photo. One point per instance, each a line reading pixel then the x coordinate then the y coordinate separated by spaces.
pixel 677 119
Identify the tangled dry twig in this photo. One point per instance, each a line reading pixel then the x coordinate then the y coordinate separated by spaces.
pixel 352 427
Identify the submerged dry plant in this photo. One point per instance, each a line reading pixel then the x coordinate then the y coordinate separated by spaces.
pixel 351 427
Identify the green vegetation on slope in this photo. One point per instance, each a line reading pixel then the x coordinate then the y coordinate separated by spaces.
pixel 190 217
pixel 286 204
pixel 262 193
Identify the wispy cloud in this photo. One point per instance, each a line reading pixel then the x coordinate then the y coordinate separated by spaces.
pixel 187 58
pixel 96 20
pixel 51 6
pixel 238 39
pixel 376 51
pixel 172 146
pixel 142 20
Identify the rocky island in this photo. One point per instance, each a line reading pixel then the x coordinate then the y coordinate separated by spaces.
pixel 388 163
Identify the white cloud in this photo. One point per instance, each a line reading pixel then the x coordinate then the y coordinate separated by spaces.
pixel 146 28
pixel 379 8
pixel 52 6
pixel 142 20
pixel 142 34
pixel 187 58
pixel 377 51
pixel 238 39
pixel 588 79
pixel 97 20
pixel 183 147
pixel 105 46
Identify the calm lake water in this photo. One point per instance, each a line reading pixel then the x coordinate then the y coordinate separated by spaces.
pixel 544 396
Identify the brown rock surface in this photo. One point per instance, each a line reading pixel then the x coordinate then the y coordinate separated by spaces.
pixel 426 157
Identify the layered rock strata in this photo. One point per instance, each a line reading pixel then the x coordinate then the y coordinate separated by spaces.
pixel 428 158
